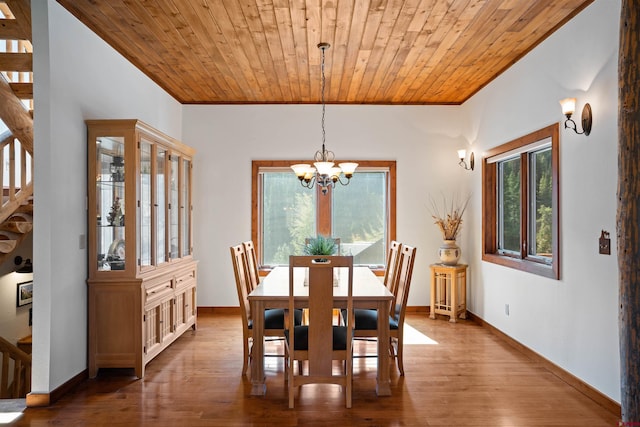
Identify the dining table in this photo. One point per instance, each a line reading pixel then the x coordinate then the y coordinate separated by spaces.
pixel 273 292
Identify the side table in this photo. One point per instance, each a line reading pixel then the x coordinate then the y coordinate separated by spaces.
pixel 449 291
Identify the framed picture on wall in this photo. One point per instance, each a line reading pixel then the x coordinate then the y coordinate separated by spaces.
pixel 25 293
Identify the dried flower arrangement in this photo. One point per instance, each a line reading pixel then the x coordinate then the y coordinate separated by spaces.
pixel 450 220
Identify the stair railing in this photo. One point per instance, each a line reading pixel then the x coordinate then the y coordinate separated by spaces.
pixel 15 374
pixel 17 182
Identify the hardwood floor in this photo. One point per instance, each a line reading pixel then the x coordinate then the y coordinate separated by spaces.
pixel 456 375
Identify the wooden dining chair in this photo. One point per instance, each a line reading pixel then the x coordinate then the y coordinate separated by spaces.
pixel 320 342
pixel 273 318
pixel 396 323
pixel 391 272
pixel 366 321
pixel 252 264
pixel 366 316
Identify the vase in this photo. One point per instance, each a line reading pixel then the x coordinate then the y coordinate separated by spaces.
pixel 449 252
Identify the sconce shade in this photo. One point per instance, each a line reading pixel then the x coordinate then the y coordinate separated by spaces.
pixel 26 268
pixel 568 106
pixel 462 154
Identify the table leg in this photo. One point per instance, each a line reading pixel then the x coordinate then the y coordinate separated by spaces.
pixel 433 295
pixel 258 386
pixel 454 298
pixel 463 297
pixel 383 387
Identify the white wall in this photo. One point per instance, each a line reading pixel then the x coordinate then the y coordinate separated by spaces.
pixel 573 321
pixel 77 77
pixel 423 141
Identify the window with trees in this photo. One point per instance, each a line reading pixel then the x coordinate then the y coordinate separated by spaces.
pixel 520 203
pixel 361 214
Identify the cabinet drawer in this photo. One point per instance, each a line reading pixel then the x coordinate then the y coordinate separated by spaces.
pixel 158 291
pixel 186 279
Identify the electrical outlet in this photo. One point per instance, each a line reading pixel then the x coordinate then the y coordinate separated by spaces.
pixel 506 309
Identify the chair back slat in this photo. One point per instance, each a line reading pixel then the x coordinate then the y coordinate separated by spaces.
pixel 391 273
pixel 252 264
pixel 405 271
pixel 241 274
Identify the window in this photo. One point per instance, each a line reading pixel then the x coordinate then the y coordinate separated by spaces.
pixel 520 203
pixel 361 214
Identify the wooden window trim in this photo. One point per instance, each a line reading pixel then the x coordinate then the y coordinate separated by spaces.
pixel 490 200
pixel 256 165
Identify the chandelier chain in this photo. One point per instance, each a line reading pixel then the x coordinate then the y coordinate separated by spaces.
pixel 323 104
pixel 324 155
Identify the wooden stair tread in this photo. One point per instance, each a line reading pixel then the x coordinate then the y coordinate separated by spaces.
pixel 22 90
pixel 25 209
pixel 21 227
pixel 7 246
pixel 16 61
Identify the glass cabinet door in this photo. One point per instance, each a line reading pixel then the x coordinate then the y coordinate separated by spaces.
pixel 185 208
pixel 161 205
pixel 110 192
pixel 145 204
pixel 174 209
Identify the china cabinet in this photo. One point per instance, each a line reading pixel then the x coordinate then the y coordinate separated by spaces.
pixel 142 275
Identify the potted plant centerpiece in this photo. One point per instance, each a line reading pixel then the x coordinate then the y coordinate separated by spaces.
pixel 449 221
pixel 320 245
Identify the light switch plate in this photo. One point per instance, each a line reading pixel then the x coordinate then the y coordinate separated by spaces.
pixel 604 244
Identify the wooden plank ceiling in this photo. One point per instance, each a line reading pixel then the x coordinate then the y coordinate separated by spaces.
pixel 265 51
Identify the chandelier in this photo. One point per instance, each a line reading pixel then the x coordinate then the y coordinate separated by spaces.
pixel 323 173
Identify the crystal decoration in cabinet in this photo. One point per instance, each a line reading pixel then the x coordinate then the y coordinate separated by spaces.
pixel 145 204
pixel 110 198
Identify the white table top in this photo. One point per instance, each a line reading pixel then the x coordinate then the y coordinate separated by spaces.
pixel 366 285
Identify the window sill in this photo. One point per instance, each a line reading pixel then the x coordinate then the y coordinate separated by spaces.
pixel 537 268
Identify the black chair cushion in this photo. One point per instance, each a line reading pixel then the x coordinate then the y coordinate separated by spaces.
pixel 302 337
pixel 274 318
pixel 367 319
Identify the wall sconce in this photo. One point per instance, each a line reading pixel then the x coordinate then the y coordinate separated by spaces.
pixel 26 268
pixel 568 108
pixel 462 154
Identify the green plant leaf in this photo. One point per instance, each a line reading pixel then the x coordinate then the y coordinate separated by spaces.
pixel 320 245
